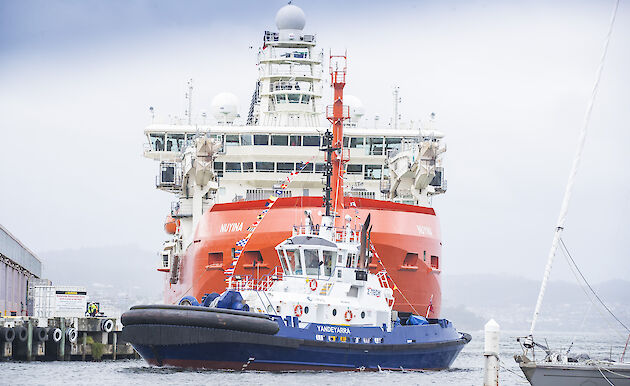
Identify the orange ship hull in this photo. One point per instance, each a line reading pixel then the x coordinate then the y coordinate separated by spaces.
pixel 406 237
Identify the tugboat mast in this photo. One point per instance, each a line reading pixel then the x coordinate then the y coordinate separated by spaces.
pixel 334 182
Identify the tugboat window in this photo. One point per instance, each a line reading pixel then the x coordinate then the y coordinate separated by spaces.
pixel 362 314
pixel 306 310
pixel 283 261
pixel 311 261
pixel 329 258
pixel 334 312
pixel 293 262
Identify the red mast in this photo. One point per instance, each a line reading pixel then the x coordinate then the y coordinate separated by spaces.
pixel 338 69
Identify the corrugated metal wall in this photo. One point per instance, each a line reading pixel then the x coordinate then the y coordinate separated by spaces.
pixel 13 289
pixel 17 265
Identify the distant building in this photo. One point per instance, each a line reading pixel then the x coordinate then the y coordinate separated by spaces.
pixel 18 266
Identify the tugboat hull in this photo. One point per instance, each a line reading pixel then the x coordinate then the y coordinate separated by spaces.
pixel 235 346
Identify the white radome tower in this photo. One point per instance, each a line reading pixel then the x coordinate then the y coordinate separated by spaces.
pixel 290 21
pixel 289 87
pixel 357 111
pixel 224 108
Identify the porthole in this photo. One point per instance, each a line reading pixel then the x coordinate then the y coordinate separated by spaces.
pixel 362 314
pixel 334 312
pixel 306 310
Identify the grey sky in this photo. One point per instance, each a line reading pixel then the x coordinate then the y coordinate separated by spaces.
pixel 509 82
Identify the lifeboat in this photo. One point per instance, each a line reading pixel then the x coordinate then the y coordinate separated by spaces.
pixel 171 225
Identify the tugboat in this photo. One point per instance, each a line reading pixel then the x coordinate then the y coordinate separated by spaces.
pixel 321 310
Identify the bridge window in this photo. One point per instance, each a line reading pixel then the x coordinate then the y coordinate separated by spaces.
pixel 248 166
pixel 392 143
pixel 286 166
pixel 295 140
pixel 306 99
pixel 356 143
pixel 372 172
pixel 261 139
pixel 307 169
pixel 320 167
pixel 346 141
pixel 279 140
pixel 294 98
pixel 232 166
pixel 310 140
pixel 157 141
pixel 282 98
pixel 175 142
pixel 375 145
pixel 354 169
pixel 264 166
pixel 231 140
pixel 246 139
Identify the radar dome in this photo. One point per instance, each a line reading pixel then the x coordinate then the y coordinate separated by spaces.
pixel 356 107
pixel 290 17
pixel 224 107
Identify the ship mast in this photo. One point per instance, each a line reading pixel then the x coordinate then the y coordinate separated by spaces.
pixel 334 182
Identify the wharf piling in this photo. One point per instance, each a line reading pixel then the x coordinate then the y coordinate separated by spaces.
pixel 60 338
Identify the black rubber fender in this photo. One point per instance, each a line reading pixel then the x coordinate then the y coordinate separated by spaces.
pixel 54 334
pixel 21 334
pixel 7 334
pixel 40 334
pixel 201 317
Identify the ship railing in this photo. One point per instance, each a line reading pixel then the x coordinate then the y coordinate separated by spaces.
pixel 342 234
pixel 252 283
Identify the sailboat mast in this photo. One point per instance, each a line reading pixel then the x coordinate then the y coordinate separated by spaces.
pixel 574 168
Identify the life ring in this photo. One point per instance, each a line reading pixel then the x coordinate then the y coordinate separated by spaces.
pixel 313 285
pixel 298 310
pixel 348 315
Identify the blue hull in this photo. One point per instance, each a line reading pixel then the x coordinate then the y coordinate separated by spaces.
pixel 295 346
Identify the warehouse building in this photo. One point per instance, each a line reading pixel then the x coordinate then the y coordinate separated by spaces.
pixel 18 265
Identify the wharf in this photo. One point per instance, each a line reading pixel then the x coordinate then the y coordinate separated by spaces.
pixel 62 339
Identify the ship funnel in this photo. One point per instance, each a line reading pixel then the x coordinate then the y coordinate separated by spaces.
pixel 364 241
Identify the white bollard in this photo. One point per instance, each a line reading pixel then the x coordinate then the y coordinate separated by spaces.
pixel 491 353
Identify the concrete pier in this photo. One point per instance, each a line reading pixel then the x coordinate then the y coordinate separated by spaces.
pixel 27 338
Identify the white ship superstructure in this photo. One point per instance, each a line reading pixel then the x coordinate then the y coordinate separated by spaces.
pixel 238 158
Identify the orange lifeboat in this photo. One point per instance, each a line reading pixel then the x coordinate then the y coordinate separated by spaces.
pixel 171 225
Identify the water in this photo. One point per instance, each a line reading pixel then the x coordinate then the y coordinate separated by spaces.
pixel 467 369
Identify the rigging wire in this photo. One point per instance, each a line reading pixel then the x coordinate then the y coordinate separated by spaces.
pixel 589 296
pixel 589 286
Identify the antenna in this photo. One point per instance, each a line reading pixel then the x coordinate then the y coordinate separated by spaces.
pixel 189 97
pixel 152 111
pixel 396 101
